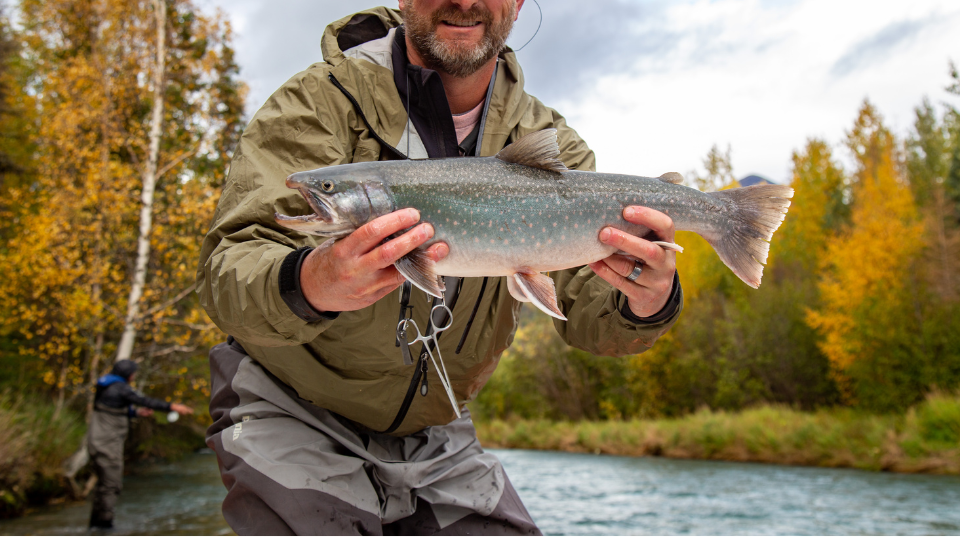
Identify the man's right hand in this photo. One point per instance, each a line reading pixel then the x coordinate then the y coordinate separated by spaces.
pixel 180 408
pixel 357 271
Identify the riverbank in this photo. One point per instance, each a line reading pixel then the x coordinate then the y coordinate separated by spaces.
pixel 37 438
pixel 925 439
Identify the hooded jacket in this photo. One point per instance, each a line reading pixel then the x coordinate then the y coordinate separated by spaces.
pixel 351 365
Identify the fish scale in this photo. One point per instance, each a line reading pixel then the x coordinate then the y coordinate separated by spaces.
pixel 523 212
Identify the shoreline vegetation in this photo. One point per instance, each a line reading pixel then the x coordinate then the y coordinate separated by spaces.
pixel 925 439
pixel 37 439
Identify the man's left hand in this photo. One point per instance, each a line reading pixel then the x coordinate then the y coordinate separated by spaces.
pixel 649 293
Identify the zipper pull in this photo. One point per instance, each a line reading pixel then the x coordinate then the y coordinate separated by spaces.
pixel 423 370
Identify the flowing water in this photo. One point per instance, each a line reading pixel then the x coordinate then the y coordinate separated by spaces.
pixel 579 494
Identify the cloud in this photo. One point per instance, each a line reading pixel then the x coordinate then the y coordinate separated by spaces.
pixel 580 41
pixel 877 48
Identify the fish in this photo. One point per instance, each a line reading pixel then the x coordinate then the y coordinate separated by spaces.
pixel 523 212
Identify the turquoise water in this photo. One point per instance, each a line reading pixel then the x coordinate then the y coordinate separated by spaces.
pixel 577 494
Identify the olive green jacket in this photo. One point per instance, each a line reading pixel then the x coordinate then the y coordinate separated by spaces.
pixel 351 365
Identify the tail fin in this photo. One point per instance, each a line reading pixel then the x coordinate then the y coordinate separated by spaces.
pixel 755 212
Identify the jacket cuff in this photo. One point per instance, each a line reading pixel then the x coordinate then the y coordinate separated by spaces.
pixel 668 310
pixel 291 293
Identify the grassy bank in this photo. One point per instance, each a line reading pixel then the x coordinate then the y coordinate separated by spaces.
pixel 35 440
pixel 925 439
pixel 34 443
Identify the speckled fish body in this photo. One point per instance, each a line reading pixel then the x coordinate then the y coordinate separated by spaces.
pixel 522 212
pixel 500 218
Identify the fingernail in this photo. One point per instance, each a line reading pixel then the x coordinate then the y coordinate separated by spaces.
pixel 427 230
pixel 605 234
pixel 415 214
pixel 442 250
pixel 629 212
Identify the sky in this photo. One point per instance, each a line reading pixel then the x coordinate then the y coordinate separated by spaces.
pixel 652 85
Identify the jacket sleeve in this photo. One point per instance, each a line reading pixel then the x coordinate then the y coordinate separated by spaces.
pixel 595 309
pixel 238 274
pixel 131 396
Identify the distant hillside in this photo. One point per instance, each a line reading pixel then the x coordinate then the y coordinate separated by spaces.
pixel 754 179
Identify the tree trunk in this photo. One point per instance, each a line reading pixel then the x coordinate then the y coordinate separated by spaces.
pixel 125 348
pixel 94 372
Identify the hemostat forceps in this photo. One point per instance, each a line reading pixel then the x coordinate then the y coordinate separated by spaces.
pixel 430 342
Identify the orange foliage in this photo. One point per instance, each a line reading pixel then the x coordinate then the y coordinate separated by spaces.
pixel 867 270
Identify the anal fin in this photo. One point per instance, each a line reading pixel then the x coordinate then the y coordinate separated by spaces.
pixel 541 292
pixel 417 267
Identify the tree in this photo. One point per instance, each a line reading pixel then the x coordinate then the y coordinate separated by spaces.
pixel 73 254
pixel 870 279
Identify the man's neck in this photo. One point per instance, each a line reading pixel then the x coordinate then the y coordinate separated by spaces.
pixel 463 94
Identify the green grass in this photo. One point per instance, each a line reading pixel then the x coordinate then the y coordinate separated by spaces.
pixel 34 443
pixel 925 439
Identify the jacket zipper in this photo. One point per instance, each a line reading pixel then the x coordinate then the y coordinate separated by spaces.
pixel 420 374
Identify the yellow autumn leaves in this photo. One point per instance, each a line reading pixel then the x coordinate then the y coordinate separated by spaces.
pixel 81 74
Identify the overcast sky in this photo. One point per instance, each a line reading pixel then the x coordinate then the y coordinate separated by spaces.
pixel 652 85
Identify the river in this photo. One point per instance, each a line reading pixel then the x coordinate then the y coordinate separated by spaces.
pixel 577 494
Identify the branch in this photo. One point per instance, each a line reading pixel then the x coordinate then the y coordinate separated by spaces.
pixel 183 294
pixel 171 350
pixel 192 326
pixel 179 159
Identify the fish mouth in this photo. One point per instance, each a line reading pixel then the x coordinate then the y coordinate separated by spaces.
pixel 322 210
pixel 323 220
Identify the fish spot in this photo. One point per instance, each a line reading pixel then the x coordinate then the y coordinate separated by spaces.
pixel 554 223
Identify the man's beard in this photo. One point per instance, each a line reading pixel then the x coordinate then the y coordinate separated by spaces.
pixel 455 57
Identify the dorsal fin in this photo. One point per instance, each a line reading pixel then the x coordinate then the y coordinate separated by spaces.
pixel 538 149
pixel 672 178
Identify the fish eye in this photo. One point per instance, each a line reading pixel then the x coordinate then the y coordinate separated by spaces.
pixel 327 186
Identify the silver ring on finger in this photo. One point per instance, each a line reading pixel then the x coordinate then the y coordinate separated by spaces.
pixel 637 270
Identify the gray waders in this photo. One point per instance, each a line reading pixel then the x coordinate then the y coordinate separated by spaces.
pixel 291 467
pixel 108 429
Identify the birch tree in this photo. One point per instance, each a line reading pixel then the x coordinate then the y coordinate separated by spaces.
pixel 117 124
pixel 149 184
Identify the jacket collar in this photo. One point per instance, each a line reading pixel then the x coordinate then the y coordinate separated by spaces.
pixel 508 101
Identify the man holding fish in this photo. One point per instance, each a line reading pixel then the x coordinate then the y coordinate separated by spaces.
pixel 325 421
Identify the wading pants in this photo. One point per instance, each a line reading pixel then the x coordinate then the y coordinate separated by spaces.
pixel 291 467
pixel 108 429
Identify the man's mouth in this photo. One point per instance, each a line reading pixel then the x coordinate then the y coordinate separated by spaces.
pixel 462 24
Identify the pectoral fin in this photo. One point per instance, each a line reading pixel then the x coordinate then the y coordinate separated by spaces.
pixel 540 290
pixel 417 267
pixel 669 246
pixel 515 291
